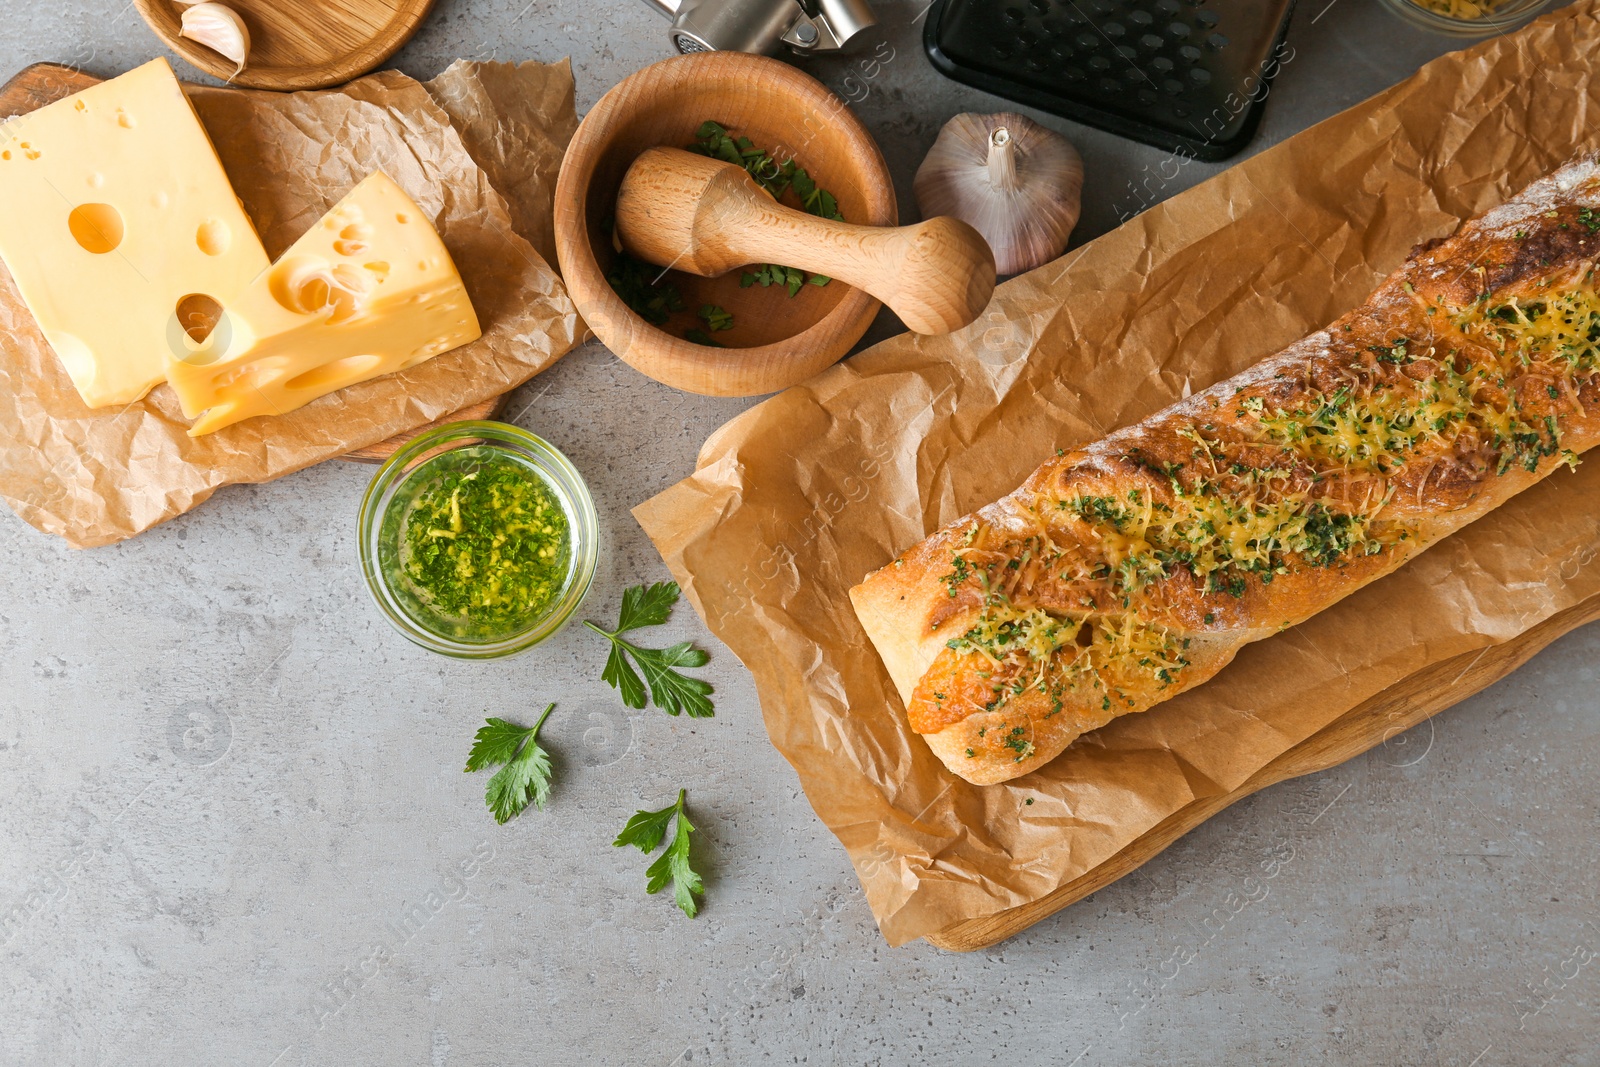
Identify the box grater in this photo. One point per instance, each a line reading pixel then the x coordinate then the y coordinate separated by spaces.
pixel 1186 75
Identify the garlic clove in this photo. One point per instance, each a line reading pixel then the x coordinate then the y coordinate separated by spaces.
pixel 1011 179
pixel 218 28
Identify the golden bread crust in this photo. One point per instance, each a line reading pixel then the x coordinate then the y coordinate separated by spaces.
pixel 1126 571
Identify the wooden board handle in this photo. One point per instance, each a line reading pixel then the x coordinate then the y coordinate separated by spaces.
pixel 708 217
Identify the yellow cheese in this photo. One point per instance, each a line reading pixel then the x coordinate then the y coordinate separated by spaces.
pixel 368 290
pixel 113 210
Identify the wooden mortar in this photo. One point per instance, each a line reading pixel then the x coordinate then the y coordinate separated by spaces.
pixel 776 341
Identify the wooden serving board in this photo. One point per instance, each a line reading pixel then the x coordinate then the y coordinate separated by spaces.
pixel 45 83
pixel 298 44
pixel 1386 715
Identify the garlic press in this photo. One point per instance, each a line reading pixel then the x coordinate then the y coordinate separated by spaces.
pixel 764 26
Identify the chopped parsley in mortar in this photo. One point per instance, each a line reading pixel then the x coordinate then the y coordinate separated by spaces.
pixel 485 542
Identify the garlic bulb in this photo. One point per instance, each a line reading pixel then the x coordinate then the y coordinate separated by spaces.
pixel 1009 178
pixel 219 29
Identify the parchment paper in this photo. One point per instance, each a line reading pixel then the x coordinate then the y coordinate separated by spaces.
pixel 98 476
pixel 515 120
pixel 796 500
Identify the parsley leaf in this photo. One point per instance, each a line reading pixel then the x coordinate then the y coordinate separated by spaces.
pixel 645 831
pixel 526 774
pixel 646 828
pixel 716 317
pixel 670 691
pixel 641 287
pixel 714 140
pixel 646 605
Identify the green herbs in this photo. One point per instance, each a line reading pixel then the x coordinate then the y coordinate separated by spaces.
pixel 1393 353
pixel 715 318
pixel 525 775
pixel 713 140
pixel 641 287
pixel 960 571
pixel 670 691
pixel 1220 537
pixel 646 291
pixel 525 772
pixel 787 277
pixel 1030 649
pixel 645 830
pixel 1561 331
pixel 485 543
pixel 650 296
pixel 1018 742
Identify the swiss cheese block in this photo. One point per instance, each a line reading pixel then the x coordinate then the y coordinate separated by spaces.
pixel 370 289
pixel 113 210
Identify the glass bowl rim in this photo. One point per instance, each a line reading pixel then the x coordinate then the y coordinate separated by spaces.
pixel 583 524
pixel 1494 22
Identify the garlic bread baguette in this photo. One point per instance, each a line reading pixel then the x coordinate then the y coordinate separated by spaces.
pixel 1129 570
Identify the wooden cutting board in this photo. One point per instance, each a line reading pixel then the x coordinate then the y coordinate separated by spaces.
pixel 45 83
pixel 1387 715
pixel 298 44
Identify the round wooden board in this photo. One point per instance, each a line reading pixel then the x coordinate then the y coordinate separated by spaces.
pixel 298 44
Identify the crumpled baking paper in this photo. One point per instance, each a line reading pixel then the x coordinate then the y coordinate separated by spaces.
pixel 98 476
pixel 800 497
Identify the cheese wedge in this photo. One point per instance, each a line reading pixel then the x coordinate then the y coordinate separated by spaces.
pixel 113 210
pixel 370 289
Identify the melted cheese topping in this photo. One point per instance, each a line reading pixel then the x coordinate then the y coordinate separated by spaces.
pixel 1563 329
pixel 1236 521
pixel 1375 432
pixel 1219 536
pixel 1029 648
pixel 1557 338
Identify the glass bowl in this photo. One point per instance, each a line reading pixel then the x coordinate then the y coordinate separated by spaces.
pixel 1496 21
pixel 409 473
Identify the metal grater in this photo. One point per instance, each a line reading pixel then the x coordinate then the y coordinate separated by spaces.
pixel 1186 75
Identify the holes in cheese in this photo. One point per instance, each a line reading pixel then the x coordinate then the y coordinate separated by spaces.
pixel 198 314
pixel 353 239
pixel 96 227
pixel 213 237
pixel 307 285
pixel 361 294
pixel 198 330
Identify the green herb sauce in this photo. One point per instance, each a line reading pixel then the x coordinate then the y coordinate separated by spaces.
pixel 483 544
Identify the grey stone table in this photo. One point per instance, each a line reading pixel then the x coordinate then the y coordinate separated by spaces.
pixel 226 786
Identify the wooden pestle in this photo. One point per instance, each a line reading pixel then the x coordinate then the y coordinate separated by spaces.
pixel 706 216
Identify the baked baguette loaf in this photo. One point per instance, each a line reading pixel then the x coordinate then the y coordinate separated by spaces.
pixel 1131 569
